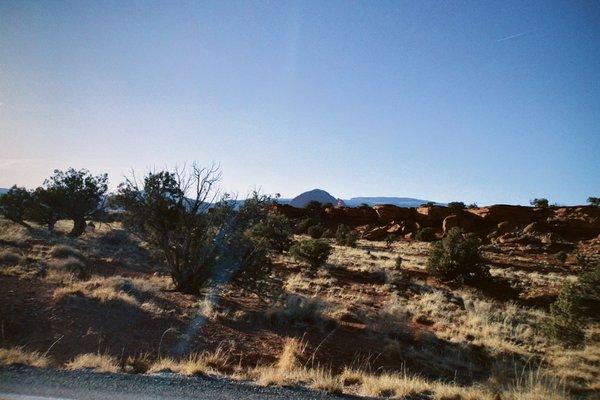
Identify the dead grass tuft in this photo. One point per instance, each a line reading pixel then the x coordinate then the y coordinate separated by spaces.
pixel 71 265
pixel 18 355
pixel 217 362
pixel 138 364
pixel 95 362
pixel 8 257
pixel 109 290
pixel 64 251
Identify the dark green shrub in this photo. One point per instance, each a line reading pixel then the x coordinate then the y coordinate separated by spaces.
pixel 345 236
pixel 561 256
pixel 389 241
pixel 594 201
pixel 78 195
pixel 456 206
pixel 314 208
pixel 275 231
pixel 398 263
pixel 313 252
pixel 200 241
pixel 457 257
pixel 577 305
pixel 45 207
pixel 341 233
pixel 540 203
pixel 316 231
pixel 14 204
pixel 351 239
pixel 303 225
pixel 425 235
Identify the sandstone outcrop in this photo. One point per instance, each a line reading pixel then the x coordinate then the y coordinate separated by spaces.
pixel 498 223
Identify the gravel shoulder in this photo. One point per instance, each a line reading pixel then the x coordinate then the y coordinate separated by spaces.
pixel 25 383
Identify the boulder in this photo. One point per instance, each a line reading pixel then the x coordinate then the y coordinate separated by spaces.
pixel 505 226
pixel 493 215
pixel 451 221
pixel 534 228
pixel 388 213
pixel 575 223
pixel 431 216
pixel 376 234
pixel 395 228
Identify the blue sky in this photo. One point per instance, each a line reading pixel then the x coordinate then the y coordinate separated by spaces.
pixel 487 102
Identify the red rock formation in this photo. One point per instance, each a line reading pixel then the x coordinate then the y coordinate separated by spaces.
pixel 569 223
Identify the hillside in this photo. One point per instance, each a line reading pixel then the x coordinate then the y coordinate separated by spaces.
pixel 319 195
pixel 363 324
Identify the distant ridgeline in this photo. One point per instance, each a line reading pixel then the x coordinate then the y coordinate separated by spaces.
pixel 323 197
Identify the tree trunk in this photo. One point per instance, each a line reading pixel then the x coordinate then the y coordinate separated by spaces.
pixel 78 227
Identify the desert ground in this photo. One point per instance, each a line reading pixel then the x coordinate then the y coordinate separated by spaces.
pixel 361 325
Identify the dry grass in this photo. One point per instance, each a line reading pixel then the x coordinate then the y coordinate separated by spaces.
pixel 12 233
pixel 95 362
pixel 138 364
pixel 217 362
pixel 18 355
pixel 301 312
pixel 8 257
pixel 64 251
pixel 116 289
pixel 70 265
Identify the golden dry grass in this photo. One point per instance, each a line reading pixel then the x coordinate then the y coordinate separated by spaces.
pixel 19 355
pixel 112 289
pixel 94 361
pixel 64 251
pixel 217 362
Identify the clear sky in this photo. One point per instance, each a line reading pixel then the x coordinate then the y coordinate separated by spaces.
pixel 487 102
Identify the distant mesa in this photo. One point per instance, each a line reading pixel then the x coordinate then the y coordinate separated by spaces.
pixel 396 201
pixel 3 190
pixel 324 197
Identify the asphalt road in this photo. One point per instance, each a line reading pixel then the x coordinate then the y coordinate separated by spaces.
pixel 25 383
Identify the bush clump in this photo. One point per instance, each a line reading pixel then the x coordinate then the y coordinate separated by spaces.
pixel 316 231
pixel 456 206
pixel 577 305
pixel 425 235
pixel 345 236
pixel 539 203
pixel 398 262
pixel 303 225
pixel 561 256
pixel 457 257
pixel 389 241
pixel 14 204
pixel 313 252
pixel 274 230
